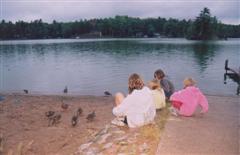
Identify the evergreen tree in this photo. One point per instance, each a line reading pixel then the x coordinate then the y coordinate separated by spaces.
pixel 204 26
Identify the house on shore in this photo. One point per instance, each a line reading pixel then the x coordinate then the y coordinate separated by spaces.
pixel 94 34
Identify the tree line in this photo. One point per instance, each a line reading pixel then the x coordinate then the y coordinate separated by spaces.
pixel 203 27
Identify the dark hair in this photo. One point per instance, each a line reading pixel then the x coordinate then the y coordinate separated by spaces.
pixel 135 82
pixel 159 74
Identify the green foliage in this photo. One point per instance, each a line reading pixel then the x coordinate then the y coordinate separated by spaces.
pixel 204 27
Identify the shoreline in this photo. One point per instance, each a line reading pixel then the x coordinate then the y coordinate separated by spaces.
pixel 51 94
pixel 33 94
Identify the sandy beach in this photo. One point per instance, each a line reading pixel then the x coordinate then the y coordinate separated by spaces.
pixel 25 128
pixel 23 122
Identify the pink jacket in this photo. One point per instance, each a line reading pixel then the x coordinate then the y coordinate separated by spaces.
pixel 190 97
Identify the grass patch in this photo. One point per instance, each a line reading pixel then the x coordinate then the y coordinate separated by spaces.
pixel 162 117
pixel 151 134
pixel 153 131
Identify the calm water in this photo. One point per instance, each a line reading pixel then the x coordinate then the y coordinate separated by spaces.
pixel 91 66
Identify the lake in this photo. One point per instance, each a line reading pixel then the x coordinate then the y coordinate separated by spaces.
pixel 92 66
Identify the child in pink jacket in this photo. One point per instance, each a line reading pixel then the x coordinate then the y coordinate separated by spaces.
pixel 185 101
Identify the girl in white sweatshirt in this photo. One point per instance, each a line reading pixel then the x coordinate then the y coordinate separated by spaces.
pixel 137 108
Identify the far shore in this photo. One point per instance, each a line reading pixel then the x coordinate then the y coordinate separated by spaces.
pixel 110 37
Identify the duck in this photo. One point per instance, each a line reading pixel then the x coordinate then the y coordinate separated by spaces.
pixel 25 91
pixel 91 116
pixel 79 111
pixel 107 93
pixel 74 120
pixel 55 119
pixel 64 106
pixel 75 116
pixel 65 90
pixel 49 113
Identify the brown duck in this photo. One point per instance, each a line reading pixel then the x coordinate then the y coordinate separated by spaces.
pixel 64 105
pixel 90 117
pixel 49 113
pixel 55 119
pixel 74 120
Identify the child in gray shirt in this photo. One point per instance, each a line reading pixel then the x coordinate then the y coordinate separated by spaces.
pixel 165 83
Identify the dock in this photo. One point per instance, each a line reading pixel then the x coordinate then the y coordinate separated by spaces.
pixel 233 74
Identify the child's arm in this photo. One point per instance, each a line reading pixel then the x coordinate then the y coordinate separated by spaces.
pixel 203 102
pixel 120 110
pixel 165 85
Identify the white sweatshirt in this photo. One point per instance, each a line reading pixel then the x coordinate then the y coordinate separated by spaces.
pixel 138 107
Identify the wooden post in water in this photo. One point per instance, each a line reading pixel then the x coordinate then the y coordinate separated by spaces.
pixel 226 65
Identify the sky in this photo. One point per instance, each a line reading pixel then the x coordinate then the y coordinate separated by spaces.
pixel 227 11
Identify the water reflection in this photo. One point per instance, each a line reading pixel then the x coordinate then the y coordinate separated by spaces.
pixel 204 52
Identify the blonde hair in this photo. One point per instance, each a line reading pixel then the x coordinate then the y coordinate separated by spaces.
pixel 154 84
pixel 159 74
pixel 134 82
pixel 188 82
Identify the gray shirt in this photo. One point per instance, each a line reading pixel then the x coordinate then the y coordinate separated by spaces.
pixel 167 87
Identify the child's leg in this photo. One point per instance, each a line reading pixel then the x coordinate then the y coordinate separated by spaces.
pixel 167 94
pixel 118 98
pixel 119 121
pixel 174 109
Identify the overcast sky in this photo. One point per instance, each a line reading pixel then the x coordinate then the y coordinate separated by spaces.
pixel 227 11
